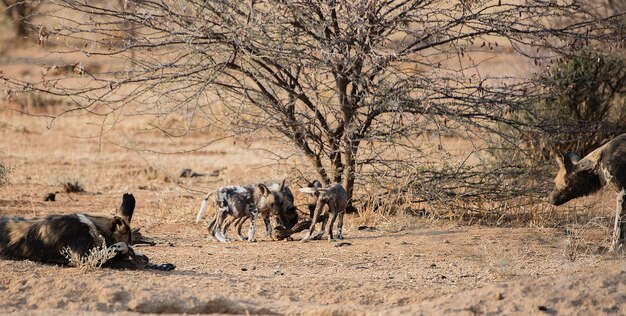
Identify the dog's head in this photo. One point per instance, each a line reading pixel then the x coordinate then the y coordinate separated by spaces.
pixel 120 230
pixel 268 201
pixel 279 203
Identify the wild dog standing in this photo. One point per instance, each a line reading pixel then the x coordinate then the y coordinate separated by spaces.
pixel 579 177
pixel 240 202
pixel 44 239
pixel 287 215
pixel 336 198
pixel 284 232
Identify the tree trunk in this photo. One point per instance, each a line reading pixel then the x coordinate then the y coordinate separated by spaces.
pixel 349 173
pixel 20 13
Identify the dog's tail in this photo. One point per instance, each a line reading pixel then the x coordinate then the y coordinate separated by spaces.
pixel 203 207
pixel 309 190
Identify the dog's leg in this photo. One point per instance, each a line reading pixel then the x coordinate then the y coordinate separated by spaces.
pixel 323 228
pixel 252 229
pixel 222 213
pixel 268 224
pixel 619 227
pixel 239 226
pixel 330 226
pixel 227 224
pixel 340 224
pixel 125 258
pixel 316 215
pixel 161 266
pixel 211 227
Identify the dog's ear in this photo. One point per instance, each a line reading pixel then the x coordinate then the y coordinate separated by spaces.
pixel 282 186
pixel 127 208
pixel 316 184
pixel 264 190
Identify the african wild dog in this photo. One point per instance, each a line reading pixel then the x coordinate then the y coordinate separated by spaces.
pixel 287 215
pixel 336 198
pixel 44 239
pixel 242 202
pixel 579 177
pixel 284 232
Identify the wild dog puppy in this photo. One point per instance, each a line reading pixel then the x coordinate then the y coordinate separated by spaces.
pixel 312 200
pixel 579 177
pixel 336 198
pixel 287 215
pixel 44 239
pixel 240 202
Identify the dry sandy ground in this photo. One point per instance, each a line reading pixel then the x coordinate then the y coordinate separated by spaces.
pixel 403 265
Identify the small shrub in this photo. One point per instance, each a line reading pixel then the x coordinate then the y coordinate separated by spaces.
pixel 4 174
pixel 21 12
pixel 584 107
pixel 72 186
pixel 96 257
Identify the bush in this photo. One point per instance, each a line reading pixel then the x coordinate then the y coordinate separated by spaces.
pixel 4 174
pixel 21 12
pixel 584 106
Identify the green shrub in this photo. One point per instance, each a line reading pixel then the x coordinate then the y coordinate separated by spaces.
pixel 583 104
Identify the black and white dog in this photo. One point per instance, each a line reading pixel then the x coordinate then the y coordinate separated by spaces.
pixel 249 201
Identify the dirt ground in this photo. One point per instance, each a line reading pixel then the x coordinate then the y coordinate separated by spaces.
pixel 398 265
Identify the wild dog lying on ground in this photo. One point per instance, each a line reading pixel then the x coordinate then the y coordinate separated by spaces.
pixel 336 198
pixel 242 202
pixel 579 177
pixel 45 239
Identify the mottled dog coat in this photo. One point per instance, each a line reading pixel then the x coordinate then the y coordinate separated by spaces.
pixel 286 218
pixel 242 202
pixel 43 239
pixel 336 198
pixel 579 177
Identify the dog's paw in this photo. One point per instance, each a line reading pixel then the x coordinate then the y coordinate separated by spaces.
pixel 162 267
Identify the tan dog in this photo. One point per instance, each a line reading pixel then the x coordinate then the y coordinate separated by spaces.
pixel 579 177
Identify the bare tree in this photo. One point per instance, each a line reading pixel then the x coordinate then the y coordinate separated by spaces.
pixel 351 84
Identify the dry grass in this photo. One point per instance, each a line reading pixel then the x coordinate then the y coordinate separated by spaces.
pixel 177 209
pixel 70 185
pixel 4 174
pixel 96 257
pixel 578 237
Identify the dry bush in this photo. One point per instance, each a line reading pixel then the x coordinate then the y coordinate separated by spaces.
pixel 33 101
pixel 150 173
pixel 577 242
pixel 4 174
pixel 96 257
pixel 584 105
pixel 21 12
pixel 72 185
